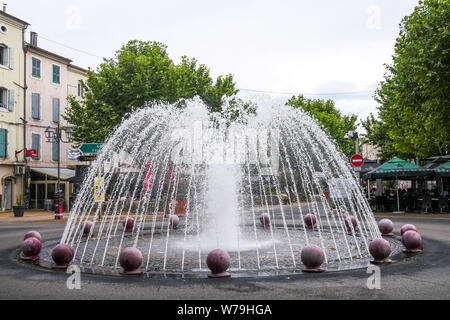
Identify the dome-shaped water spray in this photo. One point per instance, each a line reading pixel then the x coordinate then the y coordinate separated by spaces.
pixel 218 177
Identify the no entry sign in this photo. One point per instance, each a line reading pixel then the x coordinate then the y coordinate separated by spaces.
pixel 357 160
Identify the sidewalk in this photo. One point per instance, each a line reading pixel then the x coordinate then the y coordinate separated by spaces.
pixel 414 215
pixel 31 216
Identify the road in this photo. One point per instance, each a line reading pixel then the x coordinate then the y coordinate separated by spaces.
pixel 423 276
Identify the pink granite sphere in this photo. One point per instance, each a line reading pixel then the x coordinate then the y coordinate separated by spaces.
pixel 353 222
pixel 386 227
pixel 31 247
pixel 218 262
pixel 128 224
pixel 412 241
pixel 87 228
pixel 174 221
pixel 380 250
pixel 408 227
pixel 62 255
pixel 33 234
pixel 131 259
pixel 265 220
pixel 312 257
pixel 310 220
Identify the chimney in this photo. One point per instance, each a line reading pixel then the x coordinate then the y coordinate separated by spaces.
pixel 4 7
pixel 33 39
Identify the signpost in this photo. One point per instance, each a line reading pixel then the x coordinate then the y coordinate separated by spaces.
pixel 99 189
pixel 357 160
pixel 90 148
pixel 87 158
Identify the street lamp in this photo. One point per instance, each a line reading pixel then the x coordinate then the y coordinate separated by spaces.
pixel 55 135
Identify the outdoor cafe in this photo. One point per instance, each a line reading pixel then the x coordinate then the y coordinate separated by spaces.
pixel 409 187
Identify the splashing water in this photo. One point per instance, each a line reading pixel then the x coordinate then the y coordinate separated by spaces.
pixel 219 177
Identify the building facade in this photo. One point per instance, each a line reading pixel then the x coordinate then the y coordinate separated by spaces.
pixel 51 79
pixel 12 92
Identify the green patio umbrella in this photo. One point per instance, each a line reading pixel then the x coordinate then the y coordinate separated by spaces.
pixel 444 170
pixel 398 168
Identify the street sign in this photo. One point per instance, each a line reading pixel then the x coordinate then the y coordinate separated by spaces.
pixel 90 148
pixel 87 158
pixel 99 189
pixel 357 160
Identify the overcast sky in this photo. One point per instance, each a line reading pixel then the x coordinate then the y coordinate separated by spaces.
pixel 322 48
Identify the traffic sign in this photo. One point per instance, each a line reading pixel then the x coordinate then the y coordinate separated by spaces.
pixel 357 160
pixel 87 158
pixel 90 148
pixel 99 189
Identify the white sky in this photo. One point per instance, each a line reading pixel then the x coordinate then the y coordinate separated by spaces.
pixel 312 47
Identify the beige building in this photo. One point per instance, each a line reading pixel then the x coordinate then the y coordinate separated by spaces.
pixel 369 151
pixel 51 79
pixel 12 91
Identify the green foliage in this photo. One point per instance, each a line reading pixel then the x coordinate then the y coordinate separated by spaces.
pixel 331 119
pixel 140 72
pixel 415 94
pixel 20 200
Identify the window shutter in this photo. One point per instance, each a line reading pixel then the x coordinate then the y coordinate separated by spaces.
pixel 35 105
pixel 56 74
pixel 3 143
pixel 56 106
pixel 55 154
pixel 36 144
pixel 11 58
pixel 11 98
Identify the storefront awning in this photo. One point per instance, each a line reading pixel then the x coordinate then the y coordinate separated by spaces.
pixel 53 172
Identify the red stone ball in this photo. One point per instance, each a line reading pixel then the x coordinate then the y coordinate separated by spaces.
pixel 312 256
pixel 408 227
pixel 353 221
pixel 31 247
pixel 412 240
pixel 128 223
pixel 174 221
pixel 265 220
pixel 218 261
pixel 130 259
pixel 380 249
pixel 87 227
pixel 310 220
pixel 385 226
pixel 33 234
pixel 62 254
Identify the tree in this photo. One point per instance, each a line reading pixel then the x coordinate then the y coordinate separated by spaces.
pixel 331 119
pixel 414 97
pixel 140 72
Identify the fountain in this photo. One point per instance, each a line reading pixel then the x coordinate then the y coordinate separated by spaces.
pixel 219 177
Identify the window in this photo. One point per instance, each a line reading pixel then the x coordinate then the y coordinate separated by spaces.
pixel 36 67
pixel 55 153
pixel 36 106
pixel 3 143
pixel 7 99
pixel 36 144
pixel 80 88
pixel 56 105
pixel 56 74
pixel 7 56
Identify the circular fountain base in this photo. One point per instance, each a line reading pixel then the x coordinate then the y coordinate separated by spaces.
pixel 267 256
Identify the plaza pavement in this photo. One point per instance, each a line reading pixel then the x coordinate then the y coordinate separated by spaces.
pixel 423 276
